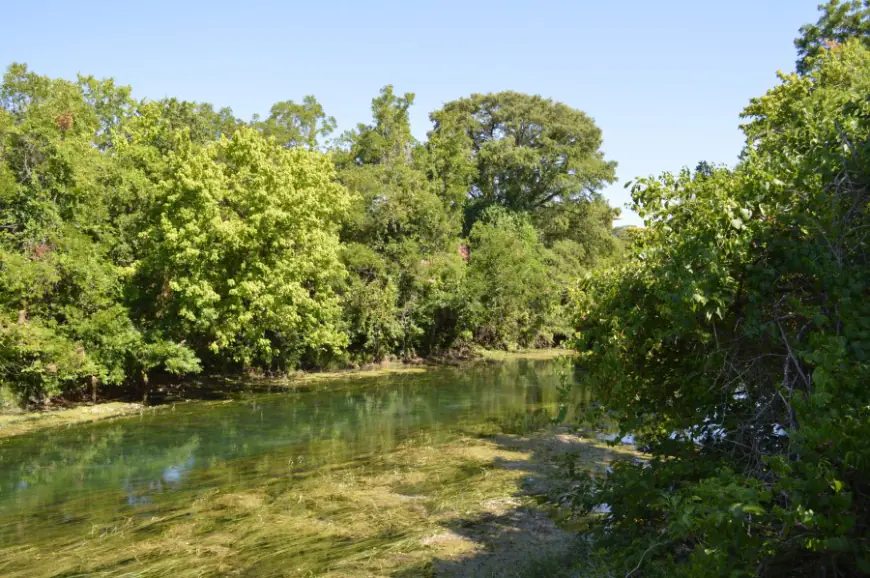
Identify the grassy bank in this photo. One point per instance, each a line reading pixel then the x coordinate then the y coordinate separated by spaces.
pixel 13 423
pixel 500 355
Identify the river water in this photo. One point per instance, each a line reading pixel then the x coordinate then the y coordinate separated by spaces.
pixel 145 495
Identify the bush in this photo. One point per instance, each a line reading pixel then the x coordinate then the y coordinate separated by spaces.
pixel 735 346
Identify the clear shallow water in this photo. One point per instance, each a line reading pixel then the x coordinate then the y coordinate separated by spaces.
pixel 57 486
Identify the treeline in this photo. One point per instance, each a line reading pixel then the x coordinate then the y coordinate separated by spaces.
pixel 734 341
pixel 142 238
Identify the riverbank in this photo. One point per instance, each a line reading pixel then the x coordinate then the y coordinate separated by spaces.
pixel 20 422
pixel 14 423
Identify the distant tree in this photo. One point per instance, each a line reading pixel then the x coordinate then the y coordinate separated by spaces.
pixel 626 233
pixel 704 169
pixel 388 139
pixel 401 238
pixel 297 125
pixel 522 152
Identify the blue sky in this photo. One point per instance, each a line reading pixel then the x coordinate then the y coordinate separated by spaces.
pixel 664 80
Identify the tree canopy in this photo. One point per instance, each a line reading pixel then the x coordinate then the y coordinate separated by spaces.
pixel 840 21
pixel 524 153
pixel 297 125
pixel 144 238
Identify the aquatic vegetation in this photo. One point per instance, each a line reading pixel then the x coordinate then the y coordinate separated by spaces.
pixel 20 422
pixel 375 479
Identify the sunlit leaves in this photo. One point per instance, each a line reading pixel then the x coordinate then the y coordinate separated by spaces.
pixel 241 251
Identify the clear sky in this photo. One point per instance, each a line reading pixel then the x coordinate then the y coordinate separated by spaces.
pixel 665 80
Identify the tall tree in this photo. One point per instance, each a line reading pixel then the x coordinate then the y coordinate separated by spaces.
pixel 240 250
pixel 297 125
pixel 522 152
pixel 398 215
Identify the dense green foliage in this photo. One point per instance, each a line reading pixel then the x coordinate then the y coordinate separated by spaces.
pixel 146 238
pixel 730 335
pixel 521 152
pixel 509 282
pixel 840 21
pixel 734 344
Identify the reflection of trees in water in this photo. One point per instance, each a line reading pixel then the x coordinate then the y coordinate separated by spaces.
pixel 68 488
pixel 534 394
pixel 140 489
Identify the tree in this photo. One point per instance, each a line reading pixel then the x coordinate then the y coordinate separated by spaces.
pixel 509 286
pixel 734 346
pixel 297 125
pixel 588 224
pixel 398 214
pixel 704 169
pixel 840 21
pixel 370 303
pixel 63 323
pixel 524 153
pixel 204 123
pixel 388 139
pixel 241 254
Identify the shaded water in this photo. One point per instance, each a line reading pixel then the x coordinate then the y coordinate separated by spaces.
pixel 91 489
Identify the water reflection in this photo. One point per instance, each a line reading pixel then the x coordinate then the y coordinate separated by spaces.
pixel 89 474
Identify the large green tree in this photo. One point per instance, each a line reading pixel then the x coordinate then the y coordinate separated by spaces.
pixel 240 251
pixel 402 230
pixel 524 153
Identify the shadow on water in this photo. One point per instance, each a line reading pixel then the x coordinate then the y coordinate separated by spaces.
pixel 520 535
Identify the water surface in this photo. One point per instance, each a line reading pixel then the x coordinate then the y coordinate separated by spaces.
pixel 66 489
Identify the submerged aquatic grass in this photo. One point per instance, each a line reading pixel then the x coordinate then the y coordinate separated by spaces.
pixel 371 516
pixel 423 475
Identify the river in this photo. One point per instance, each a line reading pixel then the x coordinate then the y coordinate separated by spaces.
pixel 339 480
